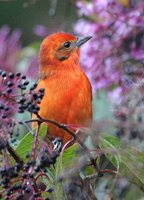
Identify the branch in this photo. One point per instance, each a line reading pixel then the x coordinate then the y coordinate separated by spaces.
pixel 14 154
pixel 35 143
pixel 63 126
pixel 100 172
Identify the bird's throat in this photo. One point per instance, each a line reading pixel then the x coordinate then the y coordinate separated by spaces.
pixel 52 70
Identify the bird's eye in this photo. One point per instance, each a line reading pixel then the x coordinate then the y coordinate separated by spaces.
pixel 67 44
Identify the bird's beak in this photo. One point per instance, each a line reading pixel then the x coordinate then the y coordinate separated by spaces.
pixel 81 40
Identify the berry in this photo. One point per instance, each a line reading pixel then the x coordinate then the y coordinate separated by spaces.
pixel 9 83
pixel 11 75
pixel 18 74
pixel 4 74
pixel 27 190
pixel 33 86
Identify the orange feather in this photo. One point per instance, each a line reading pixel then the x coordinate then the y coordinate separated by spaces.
pixel 68 95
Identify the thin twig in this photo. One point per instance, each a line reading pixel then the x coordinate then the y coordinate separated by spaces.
pixel 28 128
pixel 95 176
pixel 14 154
pixel 108 171
pixel 35 142
pixel 43 174
pixel 66 145
pixel 33 157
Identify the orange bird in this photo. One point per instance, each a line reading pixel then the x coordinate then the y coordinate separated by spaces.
pixel 68 93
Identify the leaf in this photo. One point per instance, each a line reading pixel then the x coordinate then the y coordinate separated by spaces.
pixel 110 145
pixel 58 185
pixel 128 160
pixel 26 143
pixel 132 166
pixel 65 159
pixel 70 154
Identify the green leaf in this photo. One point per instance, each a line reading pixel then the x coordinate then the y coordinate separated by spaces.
pixel 58 185
pixel 26 143
pixel 70 154
pixel 132 166
pixel 128 160
pixel 66 158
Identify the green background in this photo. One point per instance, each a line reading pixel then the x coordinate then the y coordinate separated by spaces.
pixel 56 15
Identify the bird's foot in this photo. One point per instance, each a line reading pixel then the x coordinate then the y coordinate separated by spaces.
pixel 57 144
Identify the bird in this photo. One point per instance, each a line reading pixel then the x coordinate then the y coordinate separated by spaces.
pixel 68 91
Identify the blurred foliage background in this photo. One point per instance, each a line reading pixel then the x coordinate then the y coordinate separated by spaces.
pixel 56 15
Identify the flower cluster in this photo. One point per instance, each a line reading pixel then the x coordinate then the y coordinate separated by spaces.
pixel 115 54
pixel 12 57
pixel 40 30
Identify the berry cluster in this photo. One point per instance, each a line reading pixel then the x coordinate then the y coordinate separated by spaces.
pixel 16 97
pixel 21 180
pixel 47 158
pixel 30 102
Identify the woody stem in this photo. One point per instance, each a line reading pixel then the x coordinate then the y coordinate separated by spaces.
pixel 62 126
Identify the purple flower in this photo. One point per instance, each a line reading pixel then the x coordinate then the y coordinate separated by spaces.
pixel 116 44
pixel 9 48
pixel 41 30
pixel 137 53
pixel 32 71
pixel 32 60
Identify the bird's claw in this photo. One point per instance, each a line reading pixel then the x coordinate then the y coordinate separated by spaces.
pixel 57 144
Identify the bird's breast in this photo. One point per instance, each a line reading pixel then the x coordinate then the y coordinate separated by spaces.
pixel 67 98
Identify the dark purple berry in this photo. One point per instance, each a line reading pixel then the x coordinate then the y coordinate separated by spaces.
pixel 33 86
pixel 27 190
pixel 23 77
pixel 41 90
pixel 9 83
pixel 11 75
pixel 38 100
pixel 9 90
pixel 21 100
pixel 6 108
pixel 18 74
pixel 1 106
pixel 4 74
pixel 19 85
pixel 4 116
pixel 50 190
pixel 35 96
pixel 26 83
pixel 23 88
pixel 24 175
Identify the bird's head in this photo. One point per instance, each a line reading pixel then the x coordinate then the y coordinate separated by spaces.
pixel 59 48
